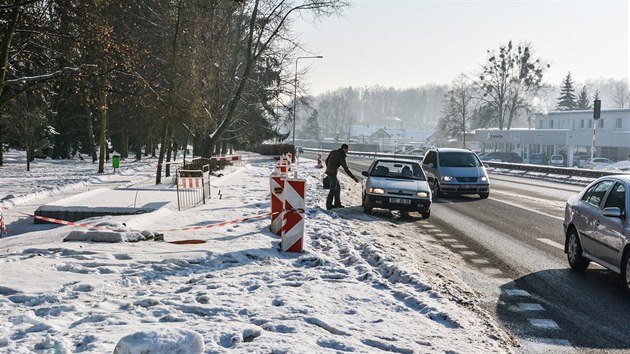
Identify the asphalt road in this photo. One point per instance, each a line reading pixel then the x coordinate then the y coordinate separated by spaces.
pixel 513 245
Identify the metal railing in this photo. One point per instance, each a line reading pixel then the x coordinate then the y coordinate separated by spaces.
pixel 565 171
pixel 192 187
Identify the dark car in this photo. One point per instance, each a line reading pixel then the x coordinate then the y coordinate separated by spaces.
pixel 538 159
pixel 597 228
pixel 456 171
pixel 396 185
pixel 502 157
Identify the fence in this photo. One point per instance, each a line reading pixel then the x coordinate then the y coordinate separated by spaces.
pixel 192 187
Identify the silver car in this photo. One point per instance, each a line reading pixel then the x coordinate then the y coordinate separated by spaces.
pixel 456 171
pixel 597 228
pixel 396 185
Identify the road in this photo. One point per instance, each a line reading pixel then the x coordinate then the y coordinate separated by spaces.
pixel 513 243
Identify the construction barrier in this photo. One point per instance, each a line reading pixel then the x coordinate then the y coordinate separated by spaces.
pixel 276 187
pixel 292 232
pixel 281 169
pixel 192 187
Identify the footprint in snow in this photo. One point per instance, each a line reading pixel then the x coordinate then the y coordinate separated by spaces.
pixel 336 345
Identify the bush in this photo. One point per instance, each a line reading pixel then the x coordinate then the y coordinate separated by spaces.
pixel 272 149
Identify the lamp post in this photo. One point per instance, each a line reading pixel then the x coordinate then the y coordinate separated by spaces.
pixel 295 97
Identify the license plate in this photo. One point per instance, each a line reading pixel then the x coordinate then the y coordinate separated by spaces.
pixel 468 186
pixel 399 201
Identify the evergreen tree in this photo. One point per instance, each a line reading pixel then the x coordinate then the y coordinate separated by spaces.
pixel 583 101
pixel 596 95
pixel 567 99
pixel 311 128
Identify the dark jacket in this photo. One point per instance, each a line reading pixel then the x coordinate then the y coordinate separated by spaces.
pixel 335 159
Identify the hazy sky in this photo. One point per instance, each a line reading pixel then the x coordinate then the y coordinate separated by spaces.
pixel 416 42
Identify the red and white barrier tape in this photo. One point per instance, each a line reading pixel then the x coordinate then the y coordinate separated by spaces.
pixel 236 221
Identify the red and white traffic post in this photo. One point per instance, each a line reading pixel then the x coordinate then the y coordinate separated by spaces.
pixel 292 233
pixel 276 183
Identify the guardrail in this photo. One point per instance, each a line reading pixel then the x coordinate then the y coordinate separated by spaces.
pixel 565 171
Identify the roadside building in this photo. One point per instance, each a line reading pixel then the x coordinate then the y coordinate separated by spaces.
pixel 565 133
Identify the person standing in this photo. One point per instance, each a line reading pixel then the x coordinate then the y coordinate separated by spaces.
pixel 336 159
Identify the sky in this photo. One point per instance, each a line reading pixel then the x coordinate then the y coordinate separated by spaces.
pixel 412 43
pixel 355 288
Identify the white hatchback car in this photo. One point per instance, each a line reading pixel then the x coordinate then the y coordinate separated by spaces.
pixel 556 160
pixel 396 185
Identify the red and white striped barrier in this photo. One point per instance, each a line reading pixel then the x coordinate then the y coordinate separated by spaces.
pixel 286 160
pixel 292 233
pixel 281 169
pixel 276 186
pixel 227 158
pixel 190 182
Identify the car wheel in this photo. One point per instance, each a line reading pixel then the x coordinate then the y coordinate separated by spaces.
pixel 484 195
pixel 426 215
pixel 366 208
pixel 574 252
pixel 625 271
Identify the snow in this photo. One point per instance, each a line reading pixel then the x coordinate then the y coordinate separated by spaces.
pixel 358 286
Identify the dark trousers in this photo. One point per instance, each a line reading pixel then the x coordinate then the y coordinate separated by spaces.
pixel 334 194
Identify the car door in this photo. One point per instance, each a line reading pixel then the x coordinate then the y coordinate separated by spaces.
pixel 611 229
pixel 589 218
pixel 429 164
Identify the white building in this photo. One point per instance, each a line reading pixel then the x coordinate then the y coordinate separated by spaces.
pixel 565 132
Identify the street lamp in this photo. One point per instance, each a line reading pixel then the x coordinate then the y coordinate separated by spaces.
pixel 295 97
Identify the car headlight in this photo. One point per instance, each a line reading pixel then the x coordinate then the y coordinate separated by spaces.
pixel 483 179
pixel 376 190
pixel 447 178
pixel 422 194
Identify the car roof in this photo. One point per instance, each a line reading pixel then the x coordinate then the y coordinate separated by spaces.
pixel 453 150
pixel 397 160
pixel 623 178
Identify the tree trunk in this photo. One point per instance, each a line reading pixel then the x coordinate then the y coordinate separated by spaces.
pixel 124 142
pixel 1 147
pixel 103 141
pixel 29 153
pixel 168 156
pixel 169 114
pixel 158 174
pixel 174 150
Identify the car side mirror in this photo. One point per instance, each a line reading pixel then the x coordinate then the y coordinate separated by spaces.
pixel 430 179
pixel 612 212
pixel 365 173
pixel 485 164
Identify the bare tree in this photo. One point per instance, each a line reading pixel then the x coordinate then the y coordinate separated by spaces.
pixel 508 81
pixel 458 108
pixel 621 96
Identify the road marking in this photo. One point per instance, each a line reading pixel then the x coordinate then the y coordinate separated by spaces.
pixel 459 246
pixel 546 345
pixel 543 323
pixel 528 209
pixel 492 271
pixel 551 243
pixel 530 307
pixel 450 240
pixel 469 253
pixel 516 292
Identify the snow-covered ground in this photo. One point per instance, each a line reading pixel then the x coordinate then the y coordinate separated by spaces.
pixel 358 287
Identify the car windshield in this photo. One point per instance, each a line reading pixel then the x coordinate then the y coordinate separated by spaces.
pixel 397 169
pixel 459 159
